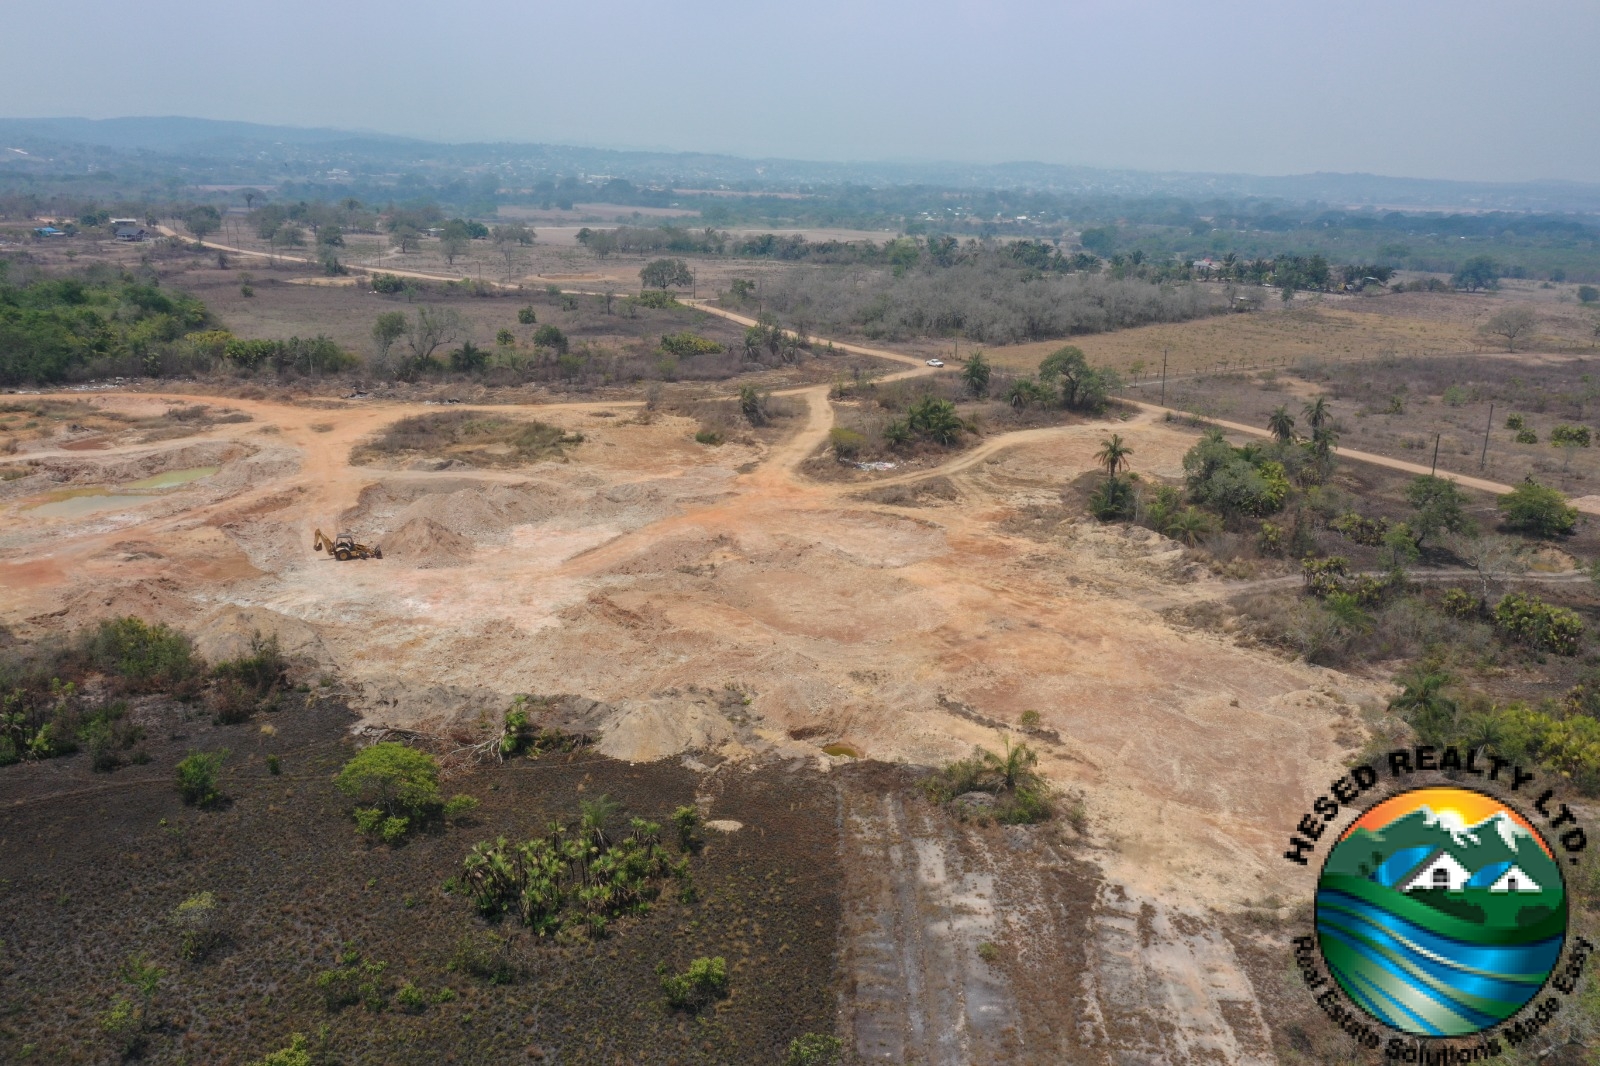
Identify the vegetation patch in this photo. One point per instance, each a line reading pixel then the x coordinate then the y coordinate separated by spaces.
pixel 470 437
pixel 1011 790
pixel 573 877
pixel 294 900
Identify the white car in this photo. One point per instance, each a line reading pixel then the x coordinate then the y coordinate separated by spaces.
pixel 936 362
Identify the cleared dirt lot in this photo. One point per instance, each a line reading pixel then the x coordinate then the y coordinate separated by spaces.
pixel 657 575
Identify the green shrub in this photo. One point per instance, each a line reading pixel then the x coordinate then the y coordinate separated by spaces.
pixel 394 829
pixel 1359 528
pixel 548 336
pixel 1527 436
pixel 1515 421
pixel 687 821
pixel 847 443
pixel 656 299
pixel 1113 500
pixel 274 765
pixel 124 1025
pixel 388 284
pixel 685 345
pixel 1323 577
pixel 411 999
pixel 105 734
pixel 1539 510
pixel 1571 436
pixel 814 1049
pixel 395 788
pixel 354 980
pixel 1235 481
pixel 519 737
pixel 527 316
pixel 1538 624
pixel 1025 806
pixel 198 923
pixel 1459 603
pixel 708 436
pixel 296 1054
pixel 262 672
pixel 145 657
pixel 197 777
pixel 484 956
pixel 460 807
pixel 695 989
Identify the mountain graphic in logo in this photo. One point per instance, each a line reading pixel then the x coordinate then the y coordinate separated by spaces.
pixel 1441 912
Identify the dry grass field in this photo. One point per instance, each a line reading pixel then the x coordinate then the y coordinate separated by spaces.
pixel 1267 338
pixel 1332 329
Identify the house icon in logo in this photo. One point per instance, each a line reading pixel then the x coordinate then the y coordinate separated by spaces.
pixel 1441 870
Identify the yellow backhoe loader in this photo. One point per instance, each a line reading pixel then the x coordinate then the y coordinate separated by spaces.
pixel 344 547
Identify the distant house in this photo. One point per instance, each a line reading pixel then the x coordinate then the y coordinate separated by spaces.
pixel 1439 870
pixel 48 231
pixel 126 229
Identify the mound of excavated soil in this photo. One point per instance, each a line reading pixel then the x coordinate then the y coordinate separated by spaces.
pixel 227 632
pixel 647 730
pixel 422 542
pixel 154 600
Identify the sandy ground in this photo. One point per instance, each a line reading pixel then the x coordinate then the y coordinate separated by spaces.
pixel 659 576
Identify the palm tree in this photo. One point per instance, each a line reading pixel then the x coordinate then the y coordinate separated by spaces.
pixel 976 372
pixel 1281 425
pixel 1113 454
pixel 1188 526
pixel 1318 413
pixel 1013 768
pixel 1348 617
pixel 1424 704
pixel 595 814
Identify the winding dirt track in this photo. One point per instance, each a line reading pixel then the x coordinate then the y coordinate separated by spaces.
pixel 990 447
pixel 658 576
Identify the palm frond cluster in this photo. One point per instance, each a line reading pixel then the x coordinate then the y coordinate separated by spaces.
pixel 573 877
pixel 1021 796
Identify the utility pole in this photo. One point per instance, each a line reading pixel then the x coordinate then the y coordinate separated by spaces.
pixel 1163 377
pixel 1435 468
pixel 1487 426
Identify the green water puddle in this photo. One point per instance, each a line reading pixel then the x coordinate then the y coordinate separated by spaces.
pixel 171 479
pixel 77 503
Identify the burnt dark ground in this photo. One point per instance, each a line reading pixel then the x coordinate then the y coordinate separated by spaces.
pixel 88 875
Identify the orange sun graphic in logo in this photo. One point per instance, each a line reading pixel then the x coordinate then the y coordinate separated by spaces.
pixel 1455 808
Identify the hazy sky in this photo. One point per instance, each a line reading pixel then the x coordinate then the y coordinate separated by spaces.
pixel 1487 89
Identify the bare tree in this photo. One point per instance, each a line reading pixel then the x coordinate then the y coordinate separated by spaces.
pixel 1492 558
pixel 1512 325
pixel 432 327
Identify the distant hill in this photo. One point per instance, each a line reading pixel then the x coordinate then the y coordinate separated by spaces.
pixel 170 134
pixel 240 143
